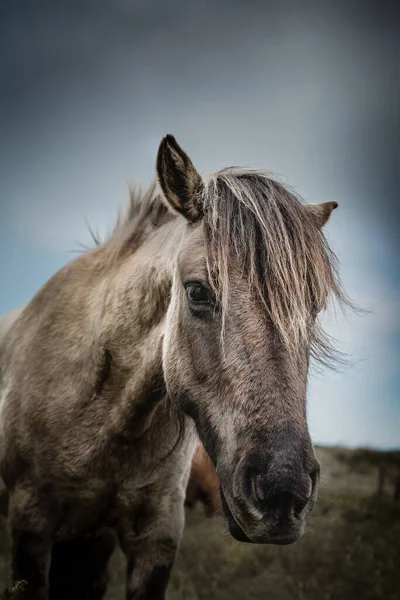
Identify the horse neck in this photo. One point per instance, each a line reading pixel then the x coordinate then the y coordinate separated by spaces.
pixel 133 316
pixel 143 281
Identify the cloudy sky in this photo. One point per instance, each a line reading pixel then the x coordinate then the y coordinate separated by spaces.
pixel 310 90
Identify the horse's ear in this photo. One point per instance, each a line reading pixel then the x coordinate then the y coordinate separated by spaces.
pixel 178 179
pixel 320 213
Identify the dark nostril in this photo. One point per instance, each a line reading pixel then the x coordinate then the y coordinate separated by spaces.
pixel 282 506
pixel 285 505
pixel 285 500
pixel 282 491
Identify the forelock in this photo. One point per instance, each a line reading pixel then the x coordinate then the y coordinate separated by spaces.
pixel 252 220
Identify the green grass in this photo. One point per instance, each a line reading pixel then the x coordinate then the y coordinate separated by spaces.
pixel 351 550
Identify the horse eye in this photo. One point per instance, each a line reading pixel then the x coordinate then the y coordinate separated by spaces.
pixel 197 293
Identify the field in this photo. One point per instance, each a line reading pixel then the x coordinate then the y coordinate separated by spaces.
pixel 351 550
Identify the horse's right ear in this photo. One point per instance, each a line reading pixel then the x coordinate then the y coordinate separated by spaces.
pixel 320 213
pixel 179 180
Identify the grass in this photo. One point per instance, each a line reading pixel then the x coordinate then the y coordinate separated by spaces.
pixel 351 550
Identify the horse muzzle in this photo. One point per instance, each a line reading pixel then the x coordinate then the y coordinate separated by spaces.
pixel 269 506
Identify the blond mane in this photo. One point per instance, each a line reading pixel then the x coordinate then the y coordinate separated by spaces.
pixel 251 218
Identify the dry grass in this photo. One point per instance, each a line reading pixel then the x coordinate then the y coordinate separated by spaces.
pixel 351 550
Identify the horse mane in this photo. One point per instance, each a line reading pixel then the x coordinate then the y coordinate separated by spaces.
pixel 143 205
pixel 252 220
pixel 144 211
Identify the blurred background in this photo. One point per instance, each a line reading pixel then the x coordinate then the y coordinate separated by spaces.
pixel 309 90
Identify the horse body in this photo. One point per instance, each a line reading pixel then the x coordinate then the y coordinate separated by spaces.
pixel 203 484
pixel 85 424
pixel 163 329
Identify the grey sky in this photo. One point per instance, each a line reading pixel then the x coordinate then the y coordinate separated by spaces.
pixel 310 90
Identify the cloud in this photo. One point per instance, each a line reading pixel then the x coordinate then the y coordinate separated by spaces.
pixel 305 90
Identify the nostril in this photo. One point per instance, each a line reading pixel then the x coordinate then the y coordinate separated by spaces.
pixel 300 504
pixel 282 491
pixel 282 505
pixel 283 500
pixel 286 505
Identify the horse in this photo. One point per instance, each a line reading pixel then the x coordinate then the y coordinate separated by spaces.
pixel 203 485
pixel 195 319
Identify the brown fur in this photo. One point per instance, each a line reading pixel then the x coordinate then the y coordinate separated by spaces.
pixel 203 485
pixel 107 369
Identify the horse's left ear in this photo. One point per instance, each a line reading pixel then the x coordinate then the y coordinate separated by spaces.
pixel 320 213
pixel 179 180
